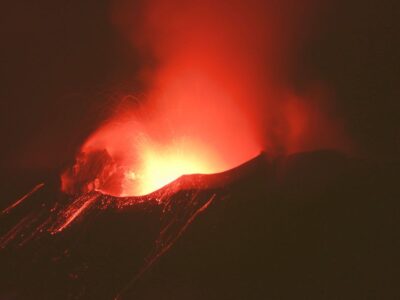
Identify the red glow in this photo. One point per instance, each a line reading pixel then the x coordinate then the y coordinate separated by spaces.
pixel 136 163
pixel 217 95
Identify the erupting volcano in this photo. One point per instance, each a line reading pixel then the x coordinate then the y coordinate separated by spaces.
pixel 217 91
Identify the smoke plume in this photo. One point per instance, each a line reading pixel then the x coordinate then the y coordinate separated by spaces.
pixel 222 84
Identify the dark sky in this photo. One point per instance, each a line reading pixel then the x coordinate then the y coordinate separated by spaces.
pixel 62 63
pixel 356 50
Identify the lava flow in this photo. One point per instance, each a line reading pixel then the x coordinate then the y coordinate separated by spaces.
pixel 175 207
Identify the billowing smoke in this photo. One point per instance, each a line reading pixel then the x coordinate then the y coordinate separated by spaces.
pixel 222 85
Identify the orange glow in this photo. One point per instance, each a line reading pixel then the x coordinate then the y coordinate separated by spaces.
pixel 123 158
pixel 218 92
pixel 161 168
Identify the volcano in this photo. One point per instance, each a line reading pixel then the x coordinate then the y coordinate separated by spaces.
pixel 170 149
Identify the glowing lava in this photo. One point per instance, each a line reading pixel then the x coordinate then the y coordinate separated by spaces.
pixel 190 123
pixel 129 163
pixel 161 168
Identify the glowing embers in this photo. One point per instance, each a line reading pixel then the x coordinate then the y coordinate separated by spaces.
pixel 125 158
pixel 98 171
pixel 160 165
pixel 191 122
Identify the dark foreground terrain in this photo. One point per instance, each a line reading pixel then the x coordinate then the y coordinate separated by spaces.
pixel 309 226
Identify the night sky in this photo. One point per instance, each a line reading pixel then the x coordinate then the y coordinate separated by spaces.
pixel 63 63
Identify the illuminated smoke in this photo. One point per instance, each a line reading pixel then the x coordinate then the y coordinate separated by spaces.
pixel 218 94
